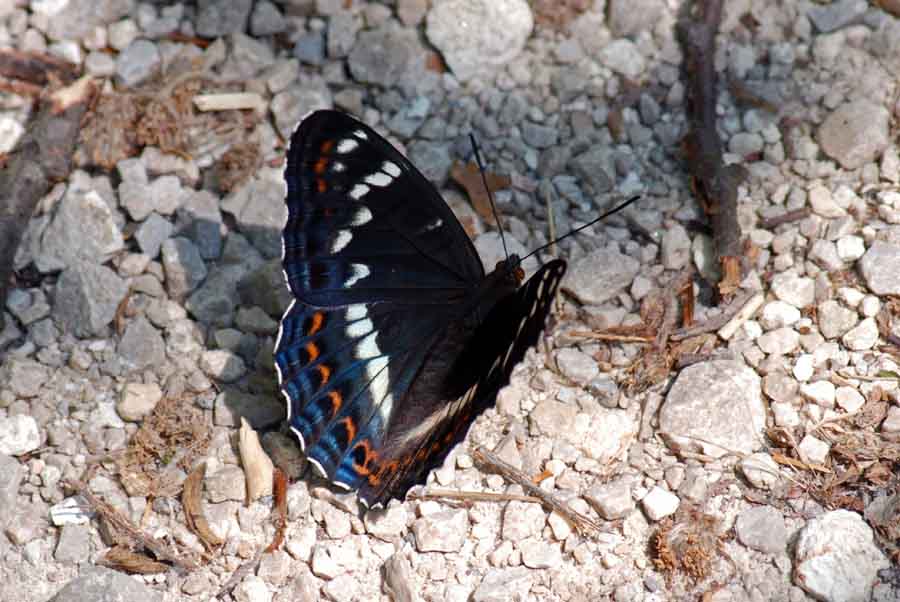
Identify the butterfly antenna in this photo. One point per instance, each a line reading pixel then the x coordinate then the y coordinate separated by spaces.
pixel 489 193
pixel 587 225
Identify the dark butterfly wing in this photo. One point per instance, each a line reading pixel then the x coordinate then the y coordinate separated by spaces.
pixel 364 225
pixel 419 438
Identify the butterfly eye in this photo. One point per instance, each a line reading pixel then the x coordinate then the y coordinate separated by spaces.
pixel 520 274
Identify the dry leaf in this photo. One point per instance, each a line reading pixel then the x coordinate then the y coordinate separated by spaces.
pixel 193 509
pixel 469 177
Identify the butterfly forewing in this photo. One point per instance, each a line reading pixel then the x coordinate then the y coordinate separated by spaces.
pixel 364 225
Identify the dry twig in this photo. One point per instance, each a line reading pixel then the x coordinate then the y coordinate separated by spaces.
pixel 492 462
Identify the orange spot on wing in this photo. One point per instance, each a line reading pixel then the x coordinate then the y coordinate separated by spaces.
pixel 324 373
pixel 312 350
pixel 336 401
pixel 317 319
pixel 326 147
pixel 320 165
pixel 321 186
pixel 350 428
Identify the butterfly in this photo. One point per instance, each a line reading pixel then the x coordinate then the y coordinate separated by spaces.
pixel 396 339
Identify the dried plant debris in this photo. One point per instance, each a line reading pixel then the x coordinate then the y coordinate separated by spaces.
pixel 237 164
pixel 193 508
pixel 124 121
pixel 687 543
pixel 558 13
pixel 167 444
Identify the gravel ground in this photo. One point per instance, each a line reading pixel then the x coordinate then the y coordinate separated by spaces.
pixel 764 470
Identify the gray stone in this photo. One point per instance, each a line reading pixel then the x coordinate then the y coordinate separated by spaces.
pixel 99 584
pixel 382 56
pixel 77 20
pixel 623 57
pixel 24 377
pixel 11 473
pixel 74 545
pixel 342 29
pixel 290 105
pixel 762 528
pixel 476 37
pixel 444 531
pixel 780 387
pixel 659 503
pixel 137 63
pixel 675 247
pixel 398 580
pixel 600 276
pixel 256 321
pixel 310 48
pixel 259 209
pixel 411 12
pixel 248 56
pixel 388 523
pixel 595 168
pixel 226 484
pixel 836 15
pixel 880 266
pixel 552 418
pixel 87 297
pixel 141 345
pixel 799 291
pixel 780 341
pixel 630 17
pixel 539 554
pixel 522 520
pixel 183 265
pixel 200 211
pixel 265 287
pixel 216 19
pixel 266 19
pixel 432 159
pixel 835 319
pixel 577 365
pixel 612 500
pixel 863 336
pixel 222 365
pixel 715 407
pixel 138 400
pixel 141 197
pixel 260 411
pixel 151 234
pixel 836 559
pixel 18 435
pixel 504 585
pixel 539 136
pixel 83 228
pixel 855 133
pixel 410 118
pixel 28 306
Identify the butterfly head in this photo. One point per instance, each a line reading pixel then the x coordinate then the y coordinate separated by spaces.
pixel 512 268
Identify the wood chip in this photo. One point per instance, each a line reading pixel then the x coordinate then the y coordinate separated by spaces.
pixel 230 101
pixel 122 559
pixel 258 467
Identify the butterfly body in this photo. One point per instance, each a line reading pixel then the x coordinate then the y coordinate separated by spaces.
pixel 397 339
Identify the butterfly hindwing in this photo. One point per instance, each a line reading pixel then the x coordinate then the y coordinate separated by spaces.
pixel 420 440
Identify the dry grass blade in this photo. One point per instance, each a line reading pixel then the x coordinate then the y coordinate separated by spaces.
pixel 122 559
pixel 493 463
pixel 193 509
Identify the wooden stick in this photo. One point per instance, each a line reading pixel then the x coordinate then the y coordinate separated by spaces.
pixel 229 101
pixel 607 336
pixel 717 322
pixel 473 496
pixel 785 218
